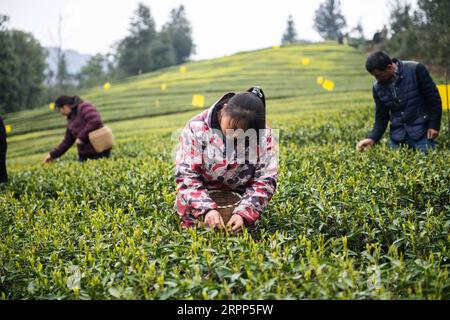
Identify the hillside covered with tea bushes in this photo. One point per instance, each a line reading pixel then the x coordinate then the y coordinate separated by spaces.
pixel 342 224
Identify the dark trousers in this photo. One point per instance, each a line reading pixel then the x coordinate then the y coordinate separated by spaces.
pixel 3 172
pixel 423 144
pixel 104 154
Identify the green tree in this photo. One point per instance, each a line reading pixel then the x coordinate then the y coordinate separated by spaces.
pixel 358 31
pixel 420 34
pixel 290 36
pixel 3 22
pixel 404 41
pixel 180 32
pixel 62 75
pixel 329 21
pixel 134 52
pixel 401 17
pixel 9 84
pixel 22 65
pixel 31 68
pixel 162 51
pixel 433 18
pixel 93 73
pixel 356 36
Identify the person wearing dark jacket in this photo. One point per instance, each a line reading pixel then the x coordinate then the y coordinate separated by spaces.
pixel 82 118
pixel 3 148
pixel 406 96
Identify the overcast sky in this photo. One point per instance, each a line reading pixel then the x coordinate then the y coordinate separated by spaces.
pixel 220 27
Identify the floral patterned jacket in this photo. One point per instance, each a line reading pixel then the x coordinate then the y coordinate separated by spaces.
pixel 198 169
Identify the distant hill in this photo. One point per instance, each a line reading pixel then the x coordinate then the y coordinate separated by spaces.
pixel 279 71
pixel 75 60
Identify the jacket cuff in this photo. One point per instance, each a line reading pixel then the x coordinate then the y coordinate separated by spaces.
pixel 434 125
pixel 200 212
pixel 373 137
pixel 54 154
pixel 249 214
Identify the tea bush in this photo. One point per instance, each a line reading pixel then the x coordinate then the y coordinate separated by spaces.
pixel 342 224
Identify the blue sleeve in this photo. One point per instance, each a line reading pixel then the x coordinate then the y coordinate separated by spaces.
pixel 381 118
pixel 431 95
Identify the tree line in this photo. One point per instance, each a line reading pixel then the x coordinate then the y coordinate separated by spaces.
pixel 22 65
pixel 422 33
pixel 144 49
pixel 329 23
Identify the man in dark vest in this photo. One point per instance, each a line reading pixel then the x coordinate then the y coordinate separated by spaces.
pixel 406 96
pixel 3 173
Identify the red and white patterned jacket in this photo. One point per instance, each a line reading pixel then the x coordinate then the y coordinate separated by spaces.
pixel 196 173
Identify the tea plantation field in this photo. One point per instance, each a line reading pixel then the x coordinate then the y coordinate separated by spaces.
pixel 342 224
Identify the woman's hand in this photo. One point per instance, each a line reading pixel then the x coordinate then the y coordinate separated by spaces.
pixel 48 158
pixel 236 223
pixel 79 142
pixel 214 220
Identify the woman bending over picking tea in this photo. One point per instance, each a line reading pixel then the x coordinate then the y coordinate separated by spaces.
pixel 228 148
pixel 82 119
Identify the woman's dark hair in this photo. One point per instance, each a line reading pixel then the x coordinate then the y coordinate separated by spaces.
pixel 378 60
pixel 70 100
pixel 247 110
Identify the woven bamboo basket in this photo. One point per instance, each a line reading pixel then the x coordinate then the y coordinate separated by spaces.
pixel 226 201
pixel 102 139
